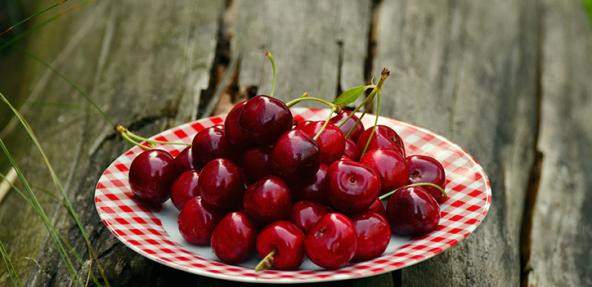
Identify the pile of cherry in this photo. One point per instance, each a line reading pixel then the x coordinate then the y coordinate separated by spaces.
pixel 264 182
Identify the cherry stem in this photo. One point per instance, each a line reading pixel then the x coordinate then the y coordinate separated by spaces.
pixel 136 139
pixel 318 134
pixel 356 109
pixel 273 67
pixel 266 262
pixel 439 188
pixel 306 97
pixel 376 91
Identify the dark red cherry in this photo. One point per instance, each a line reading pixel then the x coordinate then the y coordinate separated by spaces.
pixel 265 119
pixel 349 125
pixel 427 169
pixel 305 214
pixel 352 186
pixel 373 234
pixel 184 161
pixel 331 142
pixel 295 156
pixel 350 149
pixel 151 174
pixel 184 188
pixel 268 200
pixel 287 243
pixel 233 239
pixel 384 138
pixel 196 222
pixel 332 242
pixel 412 211
pixel 234 132
pixel 221 184
pixel 377 207
pixel 256 163
pixel 314 188
pixel 389 165
pixel 210 143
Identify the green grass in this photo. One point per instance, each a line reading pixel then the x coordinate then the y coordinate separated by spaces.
pixel 588 8
pixel 15 280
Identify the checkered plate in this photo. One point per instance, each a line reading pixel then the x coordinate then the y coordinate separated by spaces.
pixel 154 234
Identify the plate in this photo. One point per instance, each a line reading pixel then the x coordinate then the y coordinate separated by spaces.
pixel 154 234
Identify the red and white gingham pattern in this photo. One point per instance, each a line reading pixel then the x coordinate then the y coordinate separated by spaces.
pixel 138 228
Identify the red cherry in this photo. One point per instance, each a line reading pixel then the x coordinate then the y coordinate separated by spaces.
pixel 210 143
pixel 184 188
pixel 427 169
pixel 412 211
pixel 221 184
pixel 305 214
pixel 352 186
pixel 373 235
pixel 314 188
pixel 377 207
pixel 265 118
pixel 256 163
pixel 196 222
pixel 331 141
pixel 233 239
pixel 384 138
pixel 391 167
pixel 234 132
pixel 332 242
pixel 268 200
pixel 351 123
pixel 151 174
pixel 350 149
pixel 184 161
pixel 295 156
pixel 286 241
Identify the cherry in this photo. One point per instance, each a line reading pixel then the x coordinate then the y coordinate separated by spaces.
pixel 384 138
pixel 268 200
pixel 390 165
pixel 331 141
pixel 210 143
pixel 412 211
pixel 233 239
pixel 350 149
pixel 221 184
pixel 295 156
pixel 265 119
pixel 427 169
pixel 314 188
pixel 184 188
pixel 196 222
pixel 352 186
pixel 284 242
pixel 305 214
pixel 234 132
pixel 151 174
pixel 184 161
pixel 255 163
pixel 332 242
pixel 373 235
pixel 377 207
pixel 349 124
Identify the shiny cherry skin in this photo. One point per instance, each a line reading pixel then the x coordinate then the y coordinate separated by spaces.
pixel 286 240
pixel 389 165
pixel 265 119
pixel 384 138
pixel 196 222
pixel 313 188
pixel 221 184
pixel 295 156
pixel 150 176
pixel 331 141
pixel 378 207
pixel 233 239
pixel 424 168
pixel 210 143
pixel 351 123
pixel 332 242
pixel 184 188
pixel 234 132
pixel 184 161
pixel 268 200
pixel 256 163
pixel 412 211
pixel 305 214
pixel 373 235
pixel 350 149
pixel 352 186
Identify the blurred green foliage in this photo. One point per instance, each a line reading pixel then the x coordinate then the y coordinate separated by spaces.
pixel 588 8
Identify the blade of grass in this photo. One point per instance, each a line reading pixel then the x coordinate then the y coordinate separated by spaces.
pixel 40 12
pixel 12 274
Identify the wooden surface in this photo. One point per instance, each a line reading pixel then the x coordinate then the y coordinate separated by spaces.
pixel 509 81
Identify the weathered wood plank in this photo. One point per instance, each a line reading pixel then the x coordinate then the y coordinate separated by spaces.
pixel 466 70
pixel 561 253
